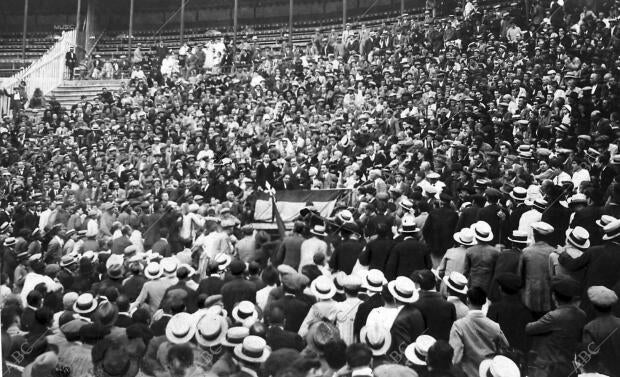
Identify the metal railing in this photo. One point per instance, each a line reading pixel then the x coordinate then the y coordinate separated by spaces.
pixel 46 73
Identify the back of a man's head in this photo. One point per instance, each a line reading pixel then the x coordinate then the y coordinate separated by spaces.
pixel 440 356
pixel 476 297
pixel 358 355
pixel 276 316
pixel 424 278
pixel 122 302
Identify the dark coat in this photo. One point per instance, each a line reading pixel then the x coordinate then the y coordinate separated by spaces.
pixel 237 290
pixel 364 309
pixel 558 217
pixel 602 331
pixel 512 316
pixel 123 320
pixel 467 218
pixel 500 227
pixel 133 285
pixel 515 216
pixel 27 319
pixel 376 253
pixel 212 285
pixel 408 325
pixel 439 229
pixel 438 314
pixel 345 256
pixel 586 218
pixel 507 261
pixel 407 256
pixel 601 264
pixel 278 337
pixel 190 301
pixel 556 336
pixel 295 311
pixel 119 245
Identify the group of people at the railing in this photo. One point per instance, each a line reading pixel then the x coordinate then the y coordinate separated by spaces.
pixel 482 236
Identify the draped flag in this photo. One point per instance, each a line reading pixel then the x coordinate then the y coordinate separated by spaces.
pixel 287 204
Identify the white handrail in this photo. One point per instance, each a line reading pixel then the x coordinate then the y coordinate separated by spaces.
pixel 46 73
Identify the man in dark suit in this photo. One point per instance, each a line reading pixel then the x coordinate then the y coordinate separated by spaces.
pixel 277 337
pixel 438 313
pixel 556 215
pixel 495 216
pixel 189 298
pixel 346 254
pixel 602 331
pixel 238 289
pixel 510 313
pixel 600 263
pixel 212 285
pixel 374 287
pixel 587 217
pixel 439 228
pixel 470 214
pixel 124 319
pixel 295 307
pixel 33 303
pixel 408 255
pixel 558 333
pixel 518 196
pixel 265 172
pixel 119 244
pixel 70 61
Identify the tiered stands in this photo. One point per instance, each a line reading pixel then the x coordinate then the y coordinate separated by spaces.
pixel 115 44
pixel 11 51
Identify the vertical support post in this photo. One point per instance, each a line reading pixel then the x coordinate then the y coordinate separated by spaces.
pixel 182 32
pixel 344 14
pixel 402 7
pixel 130 37
pixel 25 31
pixel 290 22
pixel 78 16
pixel 235 26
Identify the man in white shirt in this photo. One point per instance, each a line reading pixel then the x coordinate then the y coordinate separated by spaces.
pixel 580 174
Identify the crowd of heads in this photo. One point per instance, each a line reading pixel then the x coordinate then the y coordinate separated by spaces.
pixel 127 220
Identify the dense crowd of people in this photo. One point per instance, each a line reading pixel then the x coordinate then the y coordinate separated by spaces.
pixel 481 237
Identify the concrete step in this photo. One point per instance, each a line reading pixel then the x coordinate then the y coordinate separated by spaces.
pixel 71 91
pixel 83 83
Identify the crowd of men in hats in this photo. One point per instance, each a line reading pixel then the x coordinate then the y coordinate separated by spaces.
pixel 482 237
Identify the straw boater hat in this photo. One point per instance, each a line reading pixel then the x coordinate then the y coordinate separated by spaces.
pixel 153 271
pixel 85 304
pixel 378 339
pixel 578 237
pixel 318 230
pixel 234 336
pixel 211 330
pixel 498 366
pixel 482 231
pixel 254 349
pixel 323 288
pixel 519 194
pixel 604 220
pixel 417 351
pixel 403 289
pixel 245 311
pixel 375 280
pixel 456 281
pixel 518 237
pixel 181 328
pixel 611 230
pixel 408 225
pixel 465 237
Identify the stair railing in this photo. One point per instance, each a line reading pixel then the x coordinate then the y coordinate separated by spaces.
pixel 46 73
